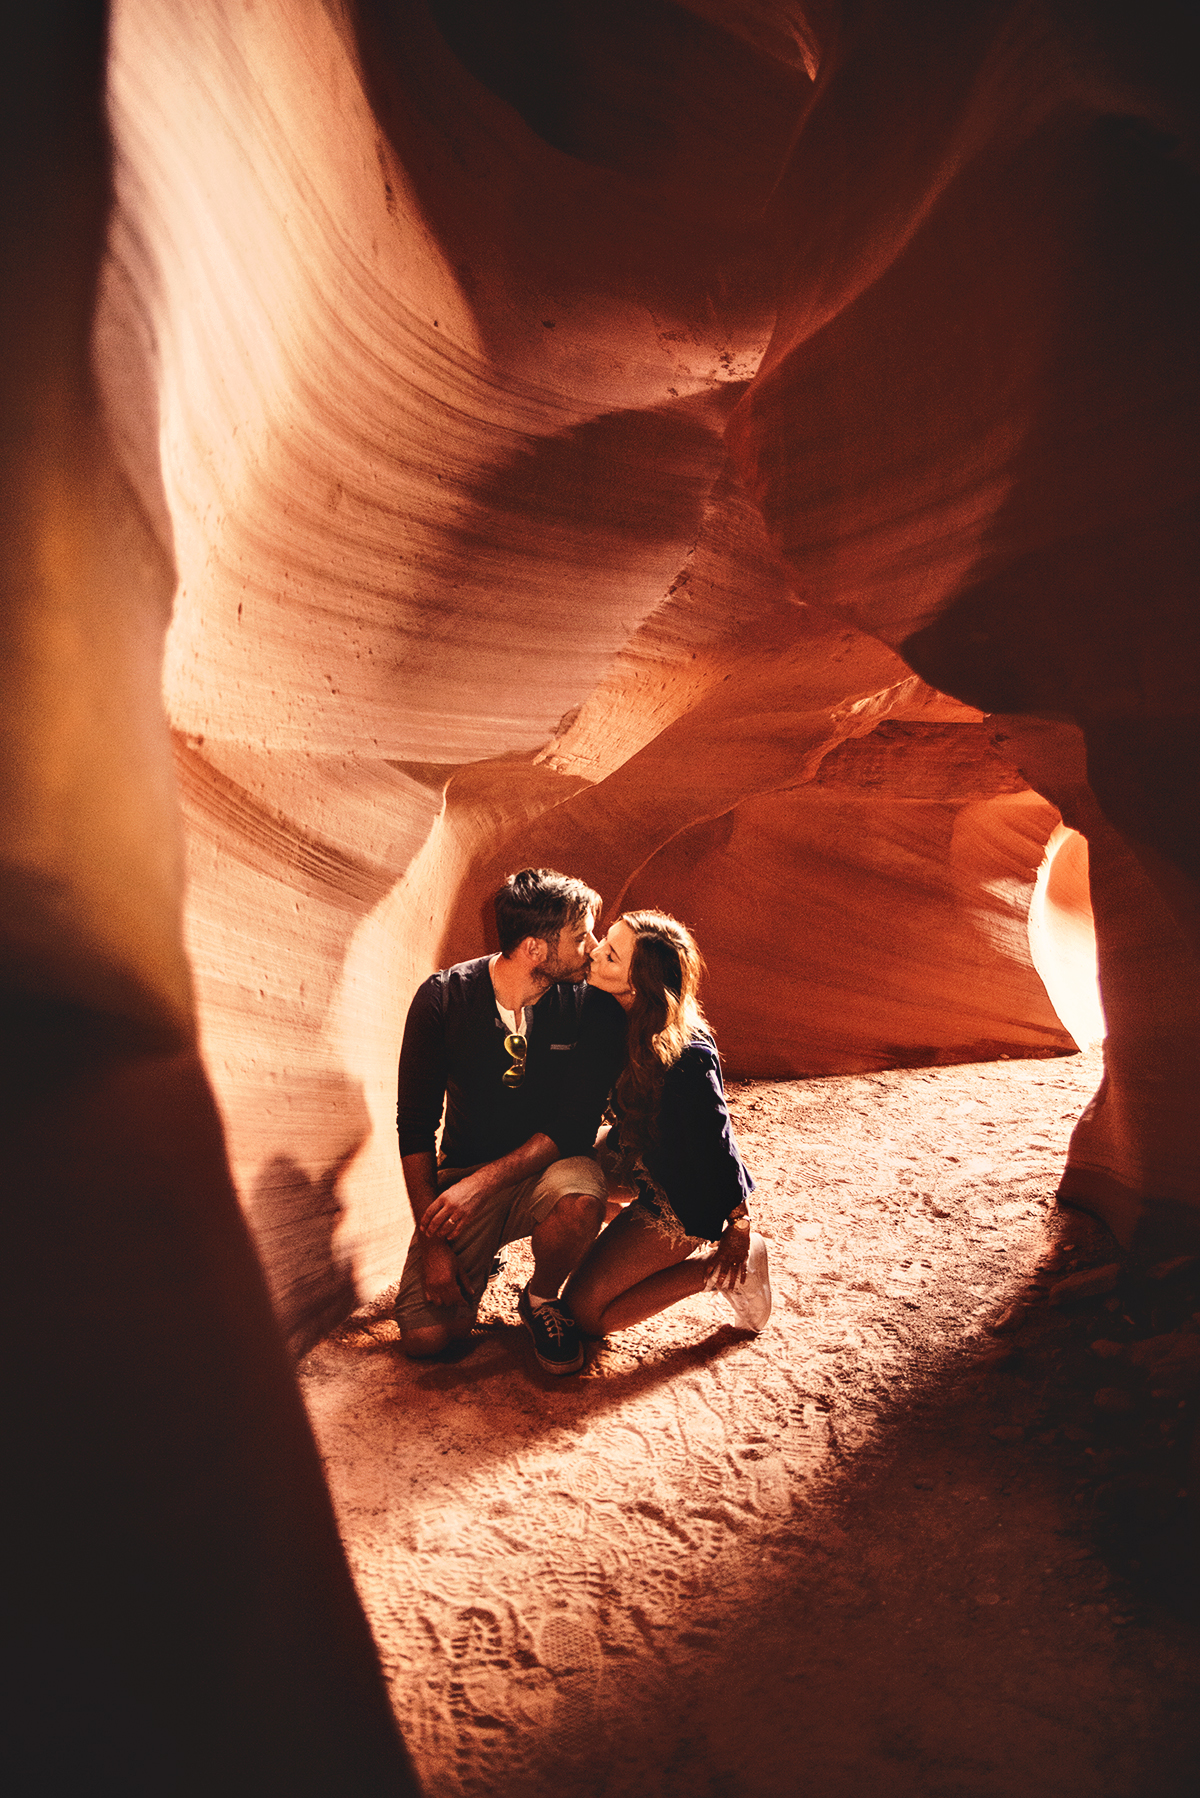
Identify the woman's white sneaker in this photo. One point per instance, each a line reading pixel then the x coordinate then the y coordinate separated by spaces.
pixel 751 1302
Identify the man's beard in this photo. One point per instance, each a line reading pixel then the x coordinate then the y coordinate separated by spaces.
pixel 554 972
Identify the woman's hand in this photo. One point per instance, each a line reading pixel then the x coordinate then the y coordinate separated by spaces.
pixel 729 1263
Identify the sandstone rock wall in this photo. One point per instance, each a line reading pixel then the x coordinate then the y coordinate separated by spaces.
pixel 178 1596
pixel 743 453
pixel 977 443
pixel 465 579
pixel 448 318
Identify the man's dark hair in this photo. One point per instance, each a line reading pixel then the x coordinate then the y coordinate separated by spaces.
pixel 540 902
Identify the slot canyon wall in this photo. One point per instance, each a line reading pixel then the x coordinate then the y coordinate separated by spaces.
pixel 743 453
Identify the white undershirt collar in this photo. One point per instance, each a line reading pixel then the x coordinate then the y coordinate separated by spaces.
pixel 514 1021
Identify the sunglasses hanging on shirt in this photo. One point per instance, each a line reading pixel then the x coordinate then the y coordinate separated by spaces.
pixel 517 1048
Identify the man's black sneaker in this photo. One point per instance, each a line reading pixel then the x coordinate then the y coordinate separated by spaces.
pixel 555 1335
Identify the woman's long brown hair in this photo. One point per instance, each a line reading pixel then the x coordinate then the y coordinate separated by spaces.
pixel 664 972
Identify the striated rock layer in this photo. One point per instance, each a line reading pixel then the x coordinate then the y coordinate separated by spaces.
pixel 179 1599
pixel 743 453
pixel 973 436
pixel 465 579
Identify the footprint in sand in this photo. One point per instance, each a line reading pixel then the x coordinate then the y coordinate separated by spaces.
pixel 482 1668
pixel 570 1650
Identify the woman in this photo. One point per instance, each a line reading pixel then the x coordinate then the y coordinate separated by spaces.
pixel 672 1143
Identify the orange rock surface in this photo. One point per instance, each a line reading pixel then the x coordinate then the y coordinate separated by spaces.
pixel 743 453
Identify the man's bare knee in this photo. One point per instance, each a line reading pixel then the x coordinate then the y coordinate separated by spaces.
pixel 429 1339
pixel 578 1210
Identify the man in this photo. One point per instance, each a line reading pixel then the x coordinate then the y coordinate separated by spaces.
pixel 523 1054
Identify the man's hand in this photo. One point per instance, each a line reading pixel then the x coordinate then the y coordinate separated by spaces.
pixel 446 1214
pixel 439 1274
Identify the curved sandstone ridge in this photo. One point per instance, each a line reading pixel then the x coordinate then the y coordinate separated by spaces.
pixel 741 452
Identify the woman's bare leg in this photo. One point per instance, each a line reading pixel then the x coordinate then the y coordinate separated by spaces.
pixel 630 1273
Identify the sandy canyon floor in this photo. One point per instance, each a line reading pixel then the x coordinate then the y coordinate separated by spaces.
pixel 883 1548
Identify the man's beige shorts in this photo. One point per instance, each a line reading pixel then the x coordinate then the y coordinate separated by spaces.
pixel 510 1213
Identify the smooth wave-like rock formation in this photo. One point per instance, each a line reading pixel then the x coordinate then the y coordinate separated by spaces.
pixel 741 452
pixel 977 442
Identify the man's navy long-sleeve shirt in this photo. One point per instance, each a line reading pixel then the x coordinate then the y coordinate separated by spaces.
pixel 454 1052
